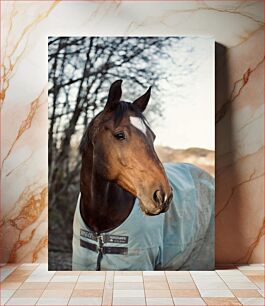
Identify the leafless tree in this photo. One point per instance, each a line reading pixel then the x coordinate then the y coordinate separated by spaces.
pixel 81 70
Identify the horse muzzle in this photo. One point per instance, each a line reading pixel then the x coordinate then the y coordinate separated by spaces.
pixel 160 203
pixel 162 200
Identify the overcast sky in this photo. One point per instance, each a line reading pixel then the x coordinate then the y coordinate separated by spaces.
pixel 189 111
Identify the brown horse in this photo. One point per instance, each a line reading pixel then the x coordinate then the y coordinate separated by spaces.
pixel 121 175
pixel 119 163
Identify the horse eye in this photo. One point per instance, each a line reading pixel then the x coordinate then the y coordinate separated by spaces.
pixel 119 136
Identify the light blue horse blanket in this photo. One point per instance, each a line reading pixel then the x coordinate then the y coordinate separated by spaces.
pixel 180 239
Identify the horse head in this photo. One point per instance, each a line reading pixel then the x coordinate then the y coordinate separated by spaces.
pixel 122 145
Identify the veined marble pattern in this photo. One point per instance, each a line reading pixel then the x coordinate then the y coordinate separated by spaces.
pixel 237 25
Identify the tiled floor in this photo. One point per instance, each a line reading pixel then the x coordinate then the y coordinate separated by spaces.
pixel 33 284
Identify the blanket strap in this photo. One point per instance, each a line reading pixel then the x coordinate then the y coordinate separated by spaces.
pixel 105 249
pixel 101 249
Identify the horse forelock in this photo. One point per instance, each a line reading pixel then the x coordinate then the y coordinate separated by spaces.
pixel 122 108
pixel 118 114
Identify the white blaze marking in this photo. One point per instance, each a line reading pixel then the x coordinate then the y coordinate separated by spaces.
pixel 138 123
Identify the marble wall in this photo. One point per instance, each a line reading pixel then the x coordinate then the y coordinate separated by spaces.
pixel 240 151
pixel 238 29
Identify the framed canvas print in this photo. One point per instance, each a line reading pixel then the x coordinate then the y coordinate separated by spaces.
pixel 131 153
pixel 120 121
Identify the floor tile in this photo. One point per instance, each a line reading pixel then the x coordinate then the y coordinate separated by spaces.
pixel 16 278
pixel 60 286
pixel 215 301
pixel 206 277
pixel 6 271
pixel 107 297
pixel 22 301
pixel 250 267
pixel 128 279
pixel 179 279
pixel 39 279
pixel 246 293
pixel 21 272
pixel 53 301
pixel 87 293
pixel 3 300
pixel 109 278
pixel 131 301
pixel 153 273
pixel 188 301
pixel 109 285
pixel 182 286
pixel 256 278
pixel 232 272
pixel 28 293
pixel 95 273
pixel 128 273
pixel 253 272
pixel 33 286
pixel 235 278
pixel 183 293
pixel 260 285
pixel 42 274
pixel 71 273
pixel 28 266
pixel 156 285
pixel 91 278
pixel 211 285
pixel 7 293
pixel 251 301
pixel 40 271
pixel 159 301
pixel 9 285
pixel 88 285
pixel 241 285
pixel 216 293
pixel 128 293
pixel 109 274
pixel 56 294
pixel 261 292
pixel 210 279
pixel 132 286
pixel 85 301
pixel 203 273
pixel 9 265
pixel 157 293
pixel 156 278
pixel 64 279
pixel 30 284
pixel 177 273
pixel 44 266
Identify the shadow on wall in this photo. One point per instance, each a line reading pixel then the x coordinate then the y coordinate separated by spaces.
pixel 225 147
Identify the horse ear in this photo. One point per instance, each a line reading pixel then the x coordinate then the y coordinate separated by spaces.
pixel 114 95
pixel 142 102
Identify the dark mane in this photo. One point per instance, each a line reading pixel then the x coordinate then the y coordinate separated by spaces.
pixel 119 112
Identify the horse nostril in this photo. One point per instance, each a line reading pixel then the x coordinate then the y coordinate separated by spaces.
pixel 161 198
pixel 158 197
pixel 155 196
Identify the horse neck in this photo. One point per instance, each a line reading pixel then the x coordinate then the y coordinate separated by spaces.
pixel 104 205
